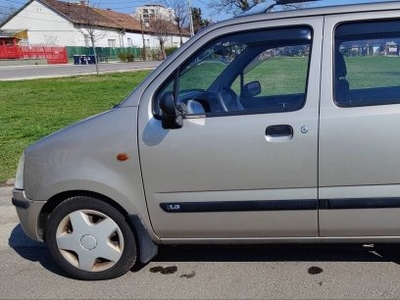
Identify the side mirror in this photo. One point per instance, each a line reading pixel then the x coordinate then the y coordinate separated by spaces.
pixel 171 119
pixel 251 89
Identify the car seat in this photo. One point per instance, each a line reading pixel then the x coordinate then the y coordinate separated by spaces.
pixel 342 86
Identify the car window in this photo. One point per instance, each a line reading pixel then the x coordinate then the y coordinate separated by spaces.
pixel 247 72
pixel 280 71
pixel 367 64
pixel 208 65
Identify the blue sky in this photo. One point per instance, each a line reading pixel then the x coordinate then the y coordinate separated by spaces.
pixel 127 6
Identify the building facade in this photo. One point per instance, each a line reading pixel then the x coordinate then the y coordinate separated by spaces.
pixel 51 22
pixel 151 11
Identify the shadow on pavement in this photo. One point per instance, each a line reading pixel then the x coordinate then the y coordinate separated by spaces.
pixel 37 252
pixel 281 253
pixel 32 250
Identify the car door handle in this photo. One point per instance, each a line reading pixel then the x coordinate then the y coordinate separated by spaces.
pixel 279 133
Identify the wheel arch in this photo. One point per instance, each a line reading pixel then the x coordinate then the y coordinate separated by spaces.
pixel 147 249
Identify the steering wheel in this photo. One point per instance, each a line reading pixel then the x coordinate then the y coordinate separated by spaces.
pixel 228 99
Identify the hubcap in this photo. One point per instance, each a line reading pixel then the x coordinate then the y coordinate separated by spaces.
pixel 90 240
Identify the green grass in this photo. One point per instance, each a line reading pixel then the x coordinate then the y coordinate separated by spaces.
pixel 32 109
pixel 277 76
pixel 373 71
pixel 280 75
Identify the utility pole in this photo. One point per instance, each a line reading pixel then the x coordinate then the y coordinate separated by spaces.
pixel 144 56
pixel 190 19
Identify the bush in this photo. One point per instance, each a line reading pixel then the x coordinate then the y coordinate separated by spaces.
pixel 169 50
pixel 153 54
pixel 123 56
pixel 126 57
pixel 130 57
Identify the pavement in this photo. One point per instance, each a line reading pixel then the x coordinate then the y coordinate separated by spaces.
pixel 6 190
pixel 5 193
pixel 9 222
pixel 8 216
pixel 22 72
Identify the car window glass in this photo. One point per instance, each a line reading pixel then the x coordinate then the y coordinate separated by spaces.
pixel 280 71
pixel 208 65
pixel 248 72
pixel 367 64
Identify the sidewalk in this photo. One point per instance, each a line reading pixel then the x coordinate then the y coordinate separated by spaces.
pixel 43 63
pixel 6 191
pixel 11 233
pixel 22 62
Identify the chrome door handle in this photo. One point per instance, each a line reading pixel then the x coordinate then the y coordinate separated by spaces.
pixel 279 133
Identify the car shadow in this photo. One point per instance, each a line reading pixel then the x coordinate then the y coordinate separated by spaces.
pixel 32 250
pixel 38 252
pixel 281 253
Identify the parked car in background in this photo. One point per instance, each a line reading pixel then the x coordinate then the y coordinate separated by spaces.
pixel 271 127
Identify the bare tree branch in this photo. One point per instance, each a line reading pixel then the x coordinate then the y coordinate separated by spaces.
pixel 161 29
pixel 239 6
pixel 93 25
pixel 232 6
pixel 181 14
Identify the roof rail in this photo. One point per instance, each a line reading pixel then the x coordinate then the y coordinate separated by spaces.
pixel 286 2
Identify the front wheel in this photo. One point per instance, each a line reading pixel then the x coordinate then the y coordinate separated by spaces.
pixel 90 239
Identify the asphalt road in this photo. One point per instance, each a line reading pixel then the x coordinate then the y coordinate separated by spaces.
pixel 205 272
pixel 48 71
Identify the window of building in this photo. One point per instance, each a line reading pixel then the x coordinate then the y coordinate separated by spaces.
pixel 112 43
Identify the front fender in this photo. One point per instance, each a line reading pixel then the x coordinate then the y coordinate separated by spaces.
pixel 87 157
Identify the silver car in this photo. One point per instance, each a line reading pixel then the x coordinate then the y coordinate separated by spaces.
pixel 270 127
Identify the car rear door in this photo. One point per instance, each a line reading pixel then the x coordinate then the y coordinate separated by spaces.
pixel 360 125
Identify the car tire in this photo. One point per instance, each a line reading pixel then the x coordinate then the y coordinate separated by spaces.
pixel 90 239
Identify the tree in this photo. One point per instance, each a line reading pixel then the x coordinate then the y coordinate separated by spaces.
pixel 181 14
pixel 233 6
pixel 91 21
pixel 161 29
pixel 198 21
pixel 239 6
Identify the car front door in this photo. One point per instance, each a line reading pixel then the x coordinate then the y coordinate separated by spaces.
pixel 243 163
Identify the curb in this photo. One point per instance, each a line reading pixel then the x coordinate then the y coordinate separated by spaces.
pixel 9 183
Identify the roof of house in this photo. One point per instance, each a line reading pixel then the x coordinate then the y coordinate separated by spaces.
pixel 83 14
pixel 8 33
pixel 124 21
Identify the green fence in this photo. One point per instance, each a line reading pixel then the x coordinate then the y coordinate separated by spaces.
pixel 123 54
pixel 105 53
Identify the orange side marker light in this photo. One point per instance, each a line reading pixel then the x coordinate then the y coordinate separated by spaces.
pixel 122 157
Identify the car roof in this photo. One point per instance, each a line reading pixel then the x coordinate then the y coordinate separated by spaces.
pixel 320 8
pixel 316 8
pixel 267 7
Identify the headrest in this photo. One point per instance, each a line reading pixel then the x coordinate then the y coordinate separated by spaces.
pixel 195 107
pixel 340 66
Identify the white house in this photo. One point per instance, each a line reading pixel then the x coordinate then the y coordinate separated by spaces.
pixel 52 22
